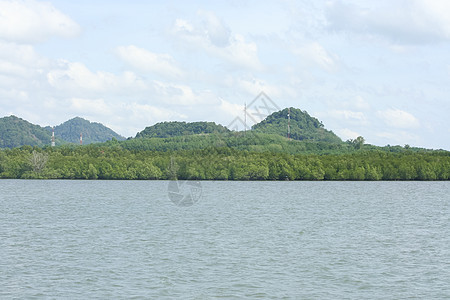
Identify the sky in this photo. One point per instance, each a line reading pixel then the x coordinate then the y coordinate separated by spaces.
pixel 377 69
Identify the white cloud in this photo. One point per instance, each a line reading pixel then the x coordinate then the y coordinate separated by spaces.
pixel 399 138
pixel 77 78
pixel 23 54
pixel 20 60
pixel 17 95
pixel 348 115
pixel 13 69
pixel 152 113
pixel 147 61
pixel 359 103
pixel 29 21
pixel 231 109
pixel 84 85
pixel 75 75
pixel 134 117
pixel 21 75
pixel 182 25
pixel 179 94
pixel 316 53
pixel 349 102
pixel 253 86
pixel 126 118
pixel 214 38
pixel 398 118
pixel 347 134
pixel 217 32
pixel 402 22
pixel 87 106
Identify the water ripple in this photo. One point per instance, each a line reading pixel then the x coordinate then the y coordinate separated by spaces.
pixel 242 240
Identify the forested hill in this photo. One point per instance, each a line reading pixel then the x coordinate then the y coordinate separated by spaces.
pixel 172 129
pixel 302 126
pixel 92 132
pixel 15 132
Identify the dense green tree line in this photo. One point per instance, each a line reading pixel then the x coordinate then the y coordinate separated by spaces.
pixel 175 128
pixel 250 141
pixel 218 163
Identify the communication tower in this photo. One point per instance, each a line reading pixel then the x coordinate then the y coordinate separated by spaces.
pixel 53 136
pixel 245 118
pixel 289 124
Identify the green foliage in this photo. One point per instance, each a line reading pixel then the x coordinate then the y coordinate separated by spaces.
pixel 171 129
pixel 93 132
pixel 102 162
pixel 251 141
pixel 206 151
pixel 302 126
pixel 359 142
pixel 15 132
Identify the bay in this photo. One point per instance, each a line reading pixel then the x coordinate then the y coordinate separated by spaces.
pixel 232 240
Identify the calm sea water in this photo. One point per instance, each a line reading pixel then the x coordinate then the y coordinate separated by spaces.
pixel 241 240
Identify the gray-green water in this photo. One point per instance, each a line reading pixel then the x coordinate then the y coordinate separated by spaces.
pixel 291 240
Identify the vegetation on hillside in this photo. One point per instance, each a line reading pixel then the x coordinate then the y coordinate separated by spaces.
pixel 206 151
pixel 93 132
pixel 171 129
pixel 249 141
pixel 302 126
pixel 15 132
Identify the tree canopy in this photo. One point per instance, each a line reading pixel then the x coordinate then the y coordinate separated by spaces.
pixel 220 163
pixel 171 129
pixel 15 132
pixel 302 126
pixel 93 132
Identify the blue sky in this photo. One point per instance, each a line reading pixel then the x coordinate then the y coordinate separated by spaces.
pixel 380 69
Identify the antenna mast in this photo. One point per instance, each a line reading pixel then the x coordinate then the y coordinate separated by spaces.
pixel 245 118
pixel 53 136
pixel 289 124
pixel 81 138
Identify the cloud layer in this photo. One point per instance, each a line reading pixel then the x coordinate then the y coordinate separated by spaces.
pixel 378 69
pixel 405 22
pixel 33 22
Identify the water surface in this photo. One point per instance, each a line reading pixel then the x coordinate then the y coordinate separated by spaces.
pixel 254 240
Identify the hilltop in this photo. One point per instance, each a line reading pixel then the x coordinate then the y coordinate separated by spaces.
pixel 302 126
pixel 308 135
pixel 93 132
pixel 16 132
pixel 207 151
pixel 175 128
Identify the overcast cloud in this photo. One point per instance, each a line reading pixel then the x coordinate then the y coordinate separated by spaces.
pixel 379 69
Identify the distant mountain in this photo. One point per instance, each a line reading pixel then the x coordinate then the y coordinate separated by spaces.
pixel 16 132
pixel 92 132
pixel 171 129
pixel 302 125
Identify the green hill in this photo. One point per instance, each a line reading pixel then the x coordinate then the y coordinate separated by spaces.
pixel 92 132
pixel 171 129
pixel 303 126
pixel 16 132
